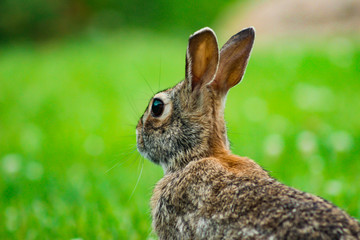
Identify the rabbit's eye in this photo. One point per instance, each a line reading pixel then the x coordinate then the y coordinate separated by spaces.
pixel 157 107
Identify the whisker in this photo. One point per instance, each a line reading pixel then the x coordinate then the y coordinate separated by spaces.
pixel 138 180
pixel 136 116
pixel 124 147
pixel 134 157
pixel 159 73
pixel 125 150
pixel 143 77
pixel 119 163
pixel 150 231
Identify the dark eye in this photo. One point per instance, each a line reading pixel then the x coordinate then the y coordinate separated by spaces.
pixel 157 107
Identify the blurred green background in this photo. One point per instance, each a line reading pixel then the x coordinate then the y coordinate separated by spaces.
pixel 75 76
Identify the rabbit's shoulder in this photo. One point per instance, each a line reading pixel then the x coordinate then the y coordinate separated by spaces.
pixel 193 178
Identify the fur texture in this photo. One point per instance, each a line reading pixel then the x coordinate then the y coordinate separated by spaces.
pixel 207 192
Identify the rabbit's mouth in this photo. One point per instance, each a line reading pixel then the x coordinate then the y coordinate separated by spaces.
pixel 140 144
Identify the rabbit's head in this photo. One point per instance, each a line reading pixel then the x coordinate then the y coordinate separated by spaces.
pixel 186 122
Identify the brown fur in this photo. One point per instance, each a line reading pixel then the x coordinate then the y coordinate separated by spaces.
pixel 207 192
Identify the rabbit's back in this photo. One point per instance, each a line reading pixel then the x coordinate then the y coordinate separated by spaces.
pixel 205 201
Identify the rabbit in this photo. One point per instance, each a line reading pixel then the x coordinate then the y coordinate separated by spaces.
pixel 207 192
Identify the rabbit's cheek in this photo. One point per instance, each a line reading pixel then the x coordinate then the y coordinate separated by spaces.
pixel 139 127
pixel 140 143
pixel 139 139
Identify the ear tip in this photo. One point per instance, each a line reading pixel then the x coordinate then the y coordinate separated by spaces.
pixel 250 31
pixel 247 33
pixel 205 30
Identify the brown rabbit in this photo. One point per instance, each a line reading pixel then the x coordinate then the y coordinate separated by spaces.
pixel 207 192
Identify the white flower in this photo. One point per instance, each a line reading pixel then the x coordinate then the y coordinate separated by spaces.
pixel 333 187
pixel 274 145
pixel 306 142
pixel 11 163
pixel 341 141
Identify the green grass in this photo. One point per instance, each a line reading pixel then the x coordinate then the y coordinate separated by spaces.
pixel 68 110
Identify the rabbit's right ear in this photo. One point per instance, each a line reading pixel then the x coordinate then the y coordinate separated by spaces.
pixel 202 58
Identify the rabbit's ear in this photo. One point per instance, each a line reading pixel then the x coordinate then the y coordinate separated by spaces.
pixel 202 58
pixel 234 56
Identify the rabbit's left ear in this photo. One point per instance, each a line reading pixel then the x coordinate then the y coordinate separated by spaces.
pixel 202 58
pixel 234 56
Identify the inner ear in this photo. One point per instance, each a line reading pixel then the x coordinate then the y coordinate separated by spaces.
pixel 202 58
